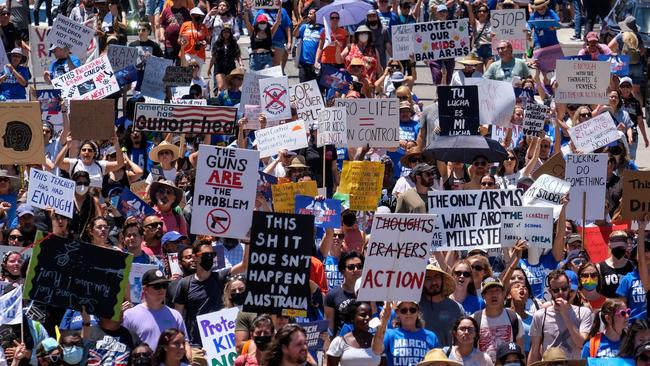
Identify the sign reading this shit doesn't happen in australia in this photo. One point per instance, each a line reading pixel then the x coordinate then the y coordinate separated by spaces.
pixel 396 257
pixel 441 40
pixel 371 121
pixel 224 194
pixel 470 219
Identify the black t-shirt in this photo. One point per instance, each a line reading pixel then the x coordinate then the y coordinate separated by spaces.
pixel 9 36
pixel 612 277
pixel 314 159
pixel 633 107
pixel 338 299
pixel 200 297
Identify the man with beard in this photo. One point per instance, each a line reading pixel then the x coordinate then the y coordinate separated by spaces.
pixel 289 347
pixel 562 325
pixel 438 310
pixel 187 263
pixel 153 233
pixel 616 265
pixel 414 200
pixel 202 293
pixel 350 265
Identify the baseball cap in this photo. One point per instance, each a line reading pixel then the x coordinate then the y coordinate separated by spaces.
pixel 592 36
pixel 153 277
pixel 46 346
pixel 510 348
pixel 490 282
pixel 572 238
pixel 172 236
pixel 441 7
pixel 625 79
pixel 24 209
pixel 422 168
pixel 262 18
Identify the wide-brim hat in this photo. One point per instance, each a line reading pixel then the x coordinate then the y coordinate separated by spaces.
pixel 448 283
pixel 18 51
pixel 13 180
pixel 437 355
pixel 556 355
pixel 164 145
pixel 236 72
pixel 540 4
pixel 471 59
pixel 155 186
pixel 297 162
pixel 404 160
pixel 629 24
pixel 362 28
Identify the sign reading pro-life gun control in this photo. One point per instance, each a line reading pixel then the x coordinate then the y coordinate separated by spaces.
pixel 372 121
pixel 166 118
pixel 278 265
pixel 470 219
pixel 396 257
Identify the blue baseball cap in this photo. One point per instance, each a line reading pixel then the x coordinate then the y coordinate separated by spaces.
pixel 172 236
pixel 24 209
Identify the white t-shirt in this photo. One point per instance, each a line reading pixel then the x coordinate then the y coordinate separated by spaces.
pixel 495 331
pixel 169 175
pixel 476 358
pixel 95 170
pixel 351 356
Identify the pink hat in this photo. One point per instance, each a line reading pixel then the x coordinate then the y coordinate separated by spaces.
pixel 262 18
pixel 592 36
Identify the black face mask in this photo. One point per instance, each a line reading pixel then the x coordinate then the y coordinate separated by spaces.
pixel 262 341
pixel 207 261
pixel 349 219
pixel 373 23
pixel 238 298
pixel 141 361
pixel 618 252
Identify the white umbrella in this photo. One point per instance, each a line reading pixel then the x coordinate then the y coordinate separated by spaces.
pixel 351 11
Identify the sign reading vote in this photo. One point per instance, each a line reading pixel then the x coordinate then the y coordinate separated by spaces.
pixel 533 224
pixel 332 127
pixel 534 118
pixel 470 219
pixel 278 264
pixel 166 118
pixel 48 190
pixel 587 173
pixel 636 195
pixel 441 40
pixel 396 257
pixel 458 108
pixel 72 274
pixel 371 121
pixel 594 133
pixel 224 194
pixel 218 336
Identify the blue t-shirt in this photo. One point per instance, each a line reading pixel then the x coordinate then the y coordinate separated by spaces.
pixel 61 66
pixel 10 216
pixel 334 277
pixel 396 156
pixel 388 19
pixel 405 348
pixel 537 274
pixel 10 89
pixel 632 290
pixel 607 348
pixel 285 22
pixel 472 304
pixel 310 35
pixel 140 156
pixel 544 37
pixel 408 130
pixel 229 98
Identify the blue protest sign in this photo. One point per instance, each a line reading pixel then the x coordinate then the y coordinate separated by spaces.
pixel 126 75
pixel 264 183
pixel 577 57
pixel 131 205
pixel 543 23
pixel 314 330
pixel 620 64
pixel 327 213
pixel 610 361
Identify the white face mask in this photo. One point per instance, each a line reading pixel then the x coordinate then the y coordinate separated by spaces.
pixel 81 189
pixel 363 38
pixel 262 26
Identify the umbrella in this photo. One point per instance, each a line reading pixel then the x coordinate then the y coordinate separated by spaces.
pixel 352 12
pixel 464 149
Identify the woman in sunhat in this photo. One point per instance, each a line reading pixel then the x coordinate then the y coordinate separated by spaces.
pixel 363 47
pixel 231 94
pixel 469 62
pixel 14 77
pixel 164 154
pixel 165 198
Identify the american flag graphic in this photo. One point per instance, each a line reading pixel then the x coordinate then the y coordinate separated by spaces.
pixel 216 120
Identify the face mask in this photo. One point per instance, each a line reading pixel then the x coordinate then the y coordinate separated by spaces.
pixel 589 285
pixel 141 361
pixel 363 38
pixel 373 23
pixel 512 364
pixel 238 298
pixel 349 220
pixel 618 252
pixel 262 341
pixel 262 26
pixel 207 261
pixel 81 189
pixel 72 355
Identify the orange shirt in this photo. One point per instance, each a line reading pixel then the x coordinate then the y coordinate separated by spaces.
pixel 328 56
pixel 189 4
pixel 193 34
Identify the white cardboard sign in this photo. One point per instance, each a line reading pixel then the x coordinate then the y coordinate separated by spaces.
pixel 371 121
pixel 582 82
pixel 533 224
pixel 48 190
pixel 122 56
pixel 547 191
pixel 93 80
pixel 332 127
pixel 154 72
pixel 67 33
pixel 290 136
pixel 307 99
pixel 274 98
pixel 217 332
pixel 586 173
pixel 135 280
pixel 496 99
pixel 594 133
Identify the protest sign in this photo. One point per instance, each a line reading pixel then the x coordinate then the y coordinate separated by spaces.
pixel 40 57
pixel 509 24
pixel 609 361
pixel 92 119
pixel 636 194
pixel 174 266
pixel 496 100
pixel 178 92
pixel 290 136
pixel 327 213
pixel 177 75
pixel 396 257
pixel 458 110
pixel 470 219
pixel 72 274
pixel 547 57
pixel 226 181
pixel 307 99
pixel 11 306
pixel 582 82
pixel 21 131
pixel 594 133
pixel 441 40
pixel 499 134
pixel 402 37
pixel 214 120
pixel 534 118
pixel 126 76
pixel 554 166
pixel 264 4
pixel 587 174
pixel 333 77
pixel 620 64
pixel 332 127
pixel 363 181
pixel 264 184
pixel 533 224
pixel 597 240
pixel 154 72
pixel 68 33
pixel 371 121
pixel 274 98
pixel 217 332
pixel 314 330
pixel 122 56
pixel 252 114
pixel 199 102
pixel 49 190
pixel 250 90
pixel 284 195
pixel 135 280
pixel 547 191
pixel 131 205
pixel 50 101
pixel 92 80
pixel 278 282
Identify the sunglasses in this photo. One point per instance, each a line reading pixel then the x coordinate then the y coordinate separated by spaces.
pixel 159 286
pixel 512 158
pixel 83 183
pixel 165 152
pixel 560 289
pixel 4 179
pixel 142 355
pixel 408 310
pixel 403 97
pixel 644 357
pixel 16 237
pixel 478 268
pixel 415 160
pixel 352 267
pixel 624 312
pixel 465 274
pixel 487 184
pixel 154 225
pixel 480 163
pixel 585 115
pixel 406 6
pixel 335 18
pixel 484 11
pixel 589 275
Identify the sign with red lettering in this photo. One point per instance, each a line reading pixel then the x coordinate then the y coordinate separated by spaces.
pixel 594 133
pixel 441 40
pixel 91 81
pixel 40 55
pixel 396 257
pixel 226 182
pixel 582 82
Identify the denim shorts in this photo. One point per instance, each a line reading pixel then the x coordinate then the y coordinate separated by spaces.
pixel 484 51
pixel 150 7
pixel 260 61
pixel 279 44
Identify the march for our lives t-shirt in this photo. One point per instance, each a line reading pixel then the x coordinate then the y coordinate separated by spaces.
pixel 405 348
pixel 632 290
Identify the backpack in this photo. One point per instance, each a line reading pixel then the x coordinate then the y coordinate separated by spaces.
pixel 512 316
pixel 594 344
